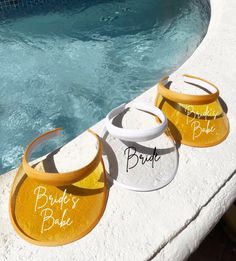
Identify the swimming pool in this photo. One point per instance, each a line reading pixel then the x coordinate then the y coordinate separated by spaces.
pixel 67 66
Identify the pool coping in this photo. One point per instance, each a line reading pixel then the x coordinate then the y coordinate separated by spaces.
pixel 180 245
pixel 210 213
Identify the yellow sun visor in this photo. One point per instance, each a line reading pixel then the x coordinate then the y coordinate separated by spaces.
pixel 197 119
pixel 52 209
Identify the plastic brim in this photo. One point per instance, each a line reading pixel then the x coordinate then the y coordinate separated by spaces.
pixel 49 215
pixel 202 125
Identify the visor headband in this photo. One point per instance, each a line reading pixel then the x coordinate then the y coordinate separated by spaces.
pixel 188 98
pixel 136 135
pixel 59 179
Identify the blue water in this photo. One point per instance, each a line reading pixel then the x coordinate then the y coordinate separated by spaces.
pixel 68 66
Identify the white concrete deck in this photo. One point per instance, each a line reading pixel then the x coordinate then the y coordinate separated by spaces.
pixel 170 223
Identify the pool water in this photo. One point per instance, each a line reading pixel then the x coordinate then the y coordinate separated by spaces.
pixel 68 66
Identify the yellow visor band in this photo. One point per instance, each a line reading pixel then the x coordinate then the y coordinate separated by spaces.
pixel 59 179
